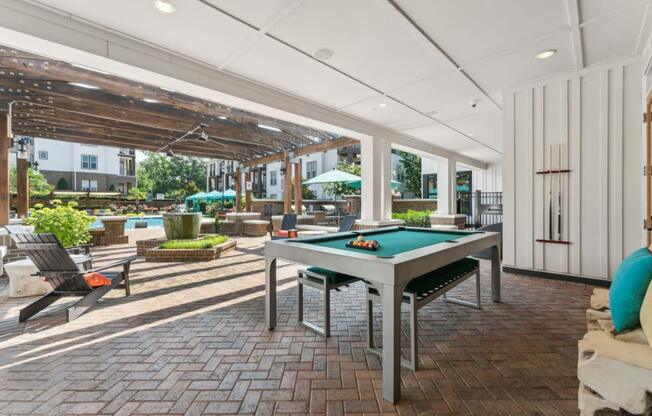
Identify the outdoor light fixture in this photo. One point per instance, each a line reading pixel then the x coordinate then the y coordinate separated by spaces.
pixel 546 54
pixel 22 148
pixel 33 165
pixel 82 85
pixel 203 137
pixel 164 6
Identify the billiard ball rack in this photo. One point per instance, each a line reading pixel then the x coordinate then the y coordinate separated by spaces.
pixel 361 247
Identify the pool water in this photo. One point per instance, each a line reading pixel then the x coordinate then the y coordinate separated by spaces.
pixel 152 222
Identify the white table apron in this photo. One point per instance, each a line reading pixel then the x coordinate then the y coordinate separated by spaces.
pixel 389 275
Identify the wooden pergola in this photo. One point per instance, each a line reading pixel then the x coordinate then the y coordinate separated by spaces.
pixel 40 97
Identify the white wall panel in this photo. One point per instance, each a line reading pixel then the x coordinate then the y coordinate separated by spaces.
pixel 595 117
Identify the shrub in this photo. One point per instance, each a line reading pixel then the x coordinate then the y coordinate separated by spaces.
pixel 212 209
pixel 205 242
pixel 112 188
pixel 202 206
pixel 62 184
pixel 414 218
pixel 67 223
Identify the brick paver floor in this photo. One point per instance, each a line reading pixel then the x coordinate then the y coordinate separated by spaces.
pixel 192 340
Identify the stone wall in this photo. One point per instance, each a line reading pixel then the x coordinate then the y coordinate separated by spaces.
pixel 398 205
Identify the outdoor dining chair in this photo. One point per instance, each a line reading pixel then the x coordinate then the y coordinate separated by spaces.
pixel 324 280
pixel 288 227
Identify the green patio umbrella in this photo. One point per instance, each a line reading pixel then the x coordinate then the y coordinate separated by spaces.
pixel 332 176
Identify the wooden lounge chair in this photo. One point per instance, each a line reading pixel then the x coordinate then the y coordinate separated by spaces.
pixel 421 291
pixel 288 227
pixel 22 229
pixel 58 268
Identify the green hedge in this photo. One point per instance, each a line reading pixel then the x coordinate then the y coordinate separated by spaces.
pixel 414 218
pixel 208 241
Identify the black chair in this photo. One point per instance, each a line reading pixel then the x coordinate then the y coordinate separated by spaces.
pixel 58 268
pixel 288 225
pixel 347 223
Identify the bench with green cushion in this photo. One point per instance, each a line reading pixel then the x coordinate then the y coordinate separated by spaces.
pixel 423 290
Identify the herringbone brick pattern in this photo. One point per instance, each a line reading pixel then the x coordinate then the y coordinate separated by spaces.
pixel 191 340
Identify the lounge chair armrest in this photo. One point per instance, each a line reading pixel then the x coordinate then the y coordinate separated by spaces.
pixel 124 262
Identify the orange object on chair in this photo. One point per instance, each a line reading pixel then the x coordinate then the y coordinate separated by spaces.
pixel 96 279
pixel 286 233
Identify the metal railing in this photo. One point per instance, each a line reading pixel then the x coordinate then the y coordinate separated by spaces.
pixel 480 208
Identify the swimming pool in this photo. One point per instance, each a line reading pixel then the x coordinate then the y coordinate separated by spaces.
pixel 152 222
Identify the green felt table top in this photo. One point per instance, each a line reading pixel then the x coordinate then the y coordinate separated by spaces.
pixel 392 240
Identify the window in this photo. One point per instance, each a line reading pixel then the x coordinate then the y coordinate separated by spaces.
pixel 43 154
pixel 311 169
pixel 88 185
pixel 400 173
pixel 272 178
pixel 89 162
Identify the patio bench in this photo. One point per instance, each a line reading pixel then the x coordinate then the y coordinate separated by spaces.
pixel 421 291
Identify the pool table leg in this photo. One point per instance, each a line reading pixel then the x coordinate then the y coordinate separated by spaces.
pixel 391 297
pixel 270 292
pixel 495 274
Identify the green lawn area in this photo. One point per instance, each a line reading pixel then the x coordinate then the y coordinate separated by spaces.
pixel 208 241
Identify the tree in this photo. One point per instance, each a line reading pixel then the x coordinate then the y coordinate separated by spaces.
pixel 412 167
pixel 62 184
pixel 161 174
pixel 38 185
pixel 192 188
pixel 341 188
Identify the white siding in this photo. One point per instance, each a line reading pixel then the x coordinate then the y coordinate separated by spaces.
pixel 595 116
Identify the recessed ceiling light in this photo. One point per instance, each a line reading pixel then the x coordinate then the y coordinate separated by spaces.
pixel 323 54
pixel 263 126
pixel 151 100
pixel 88 68
pixel 382 105
pixel 164 6
pixel 82 85
pixel 222 118
pixel 546 54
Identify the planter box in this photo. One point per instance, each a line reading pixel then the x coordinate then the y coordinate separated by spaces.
pixel 255 228
pixel 143 245
pixel 161 255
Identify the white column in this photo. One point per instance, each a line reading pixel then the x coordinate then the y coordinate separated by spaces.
pixel 446 186
pixel 376 196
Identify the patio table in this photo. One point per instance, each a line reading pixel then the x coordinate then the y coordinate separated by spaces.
pixel 404 254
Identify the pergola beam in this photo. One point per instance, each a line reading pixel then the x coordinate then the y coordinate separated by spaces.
pixel 302 151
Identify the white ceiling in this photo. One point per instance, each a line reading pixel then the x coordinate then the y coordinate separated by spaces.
pixel 425 61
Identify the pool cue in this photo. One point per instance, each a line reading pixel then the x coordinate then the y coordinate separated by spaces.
pixel 559 196
pixel 550 226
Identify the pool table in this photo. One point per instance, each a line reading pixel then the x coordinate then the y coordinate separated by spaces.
pixel 404 254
